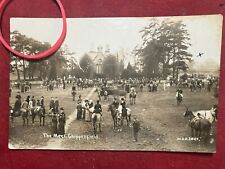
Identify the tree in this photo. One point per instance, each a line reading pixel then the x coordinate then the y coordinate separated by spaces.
pixel 87 66
pixel 30 46
pixel 129 72
pixel 110 66
pixel 164 43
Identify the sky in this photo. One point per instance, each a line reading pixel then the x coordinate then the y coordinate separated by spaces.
pixel 85 34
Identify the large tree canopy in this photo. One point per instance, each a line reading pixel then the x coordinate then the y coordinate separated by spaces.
pixel 165 43
pixel 87 66
pixel 45 68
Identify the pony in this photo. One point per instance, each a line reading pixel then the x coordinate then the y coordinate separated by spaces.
pixel 40 112
pixel 13 114
pixel 124 113
pixel 96 122
pixel 114 113
pixel 24 113
pixel 132 97
pixel 200 122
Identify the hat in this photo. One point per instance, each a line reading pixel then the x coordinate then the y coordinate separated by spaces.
pixel 18 96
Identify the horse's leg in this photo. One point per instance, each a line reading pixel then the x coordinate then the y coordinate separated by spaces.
pixel 95 130
pixel 100 129
pixel 114 122
pixel 23 121
pixel 192 132
pixel 27 120
pixel 127 120
pixel 121 122
pixel 40 120
pixel 43 121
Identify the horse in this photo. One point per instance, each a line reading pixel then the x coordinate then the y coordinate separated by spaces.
pixel 200 122
pixel 13 114
pixel 96 122
pixel 40 111
pixel 125 114
pixel 105 95
pixel 132 97
pixel 114 112
pixel 24 113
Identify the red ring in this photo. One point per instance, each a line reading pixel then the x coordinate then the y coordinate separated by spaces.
pixel 47 53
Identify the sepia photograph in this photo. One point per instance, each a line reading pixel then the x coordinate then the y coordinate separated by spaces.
pixel 123 84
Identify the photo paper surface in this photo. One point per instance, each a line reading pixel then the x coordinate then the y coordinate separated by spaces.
pixel 128 84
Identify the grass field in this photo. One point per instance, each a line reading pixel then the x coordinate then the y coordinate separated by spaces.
pixel 162 123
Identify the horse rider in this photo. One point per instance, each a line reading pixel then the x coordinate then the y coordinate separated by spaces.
pixel 115 103
pixel 98 108
pixel 24 106
pixel 179 93
pixel 28 99
pixel 52 104
pixel 17 104
pixel 56 103
pixel 123 103
pixel 79 100
pixel 30 106
pixel 34 101
pixel 73 91
pixel 42 101
pixel 38 103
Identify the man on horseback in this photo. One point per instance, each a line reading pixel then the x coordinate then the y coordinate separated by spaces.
pixel 42 101
pixel 52 104
pixel 179 95
pixel 98 108
pixel 74 91
pixel 79 101
pixel 56 103
pixel 115 103
pixel 123 103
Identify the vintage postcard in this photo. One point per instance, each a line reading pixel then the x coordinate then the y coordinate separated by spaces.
pixel 131 84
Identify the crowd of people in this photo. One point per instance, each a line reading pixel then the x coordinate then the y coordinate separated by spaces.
pixel 86 108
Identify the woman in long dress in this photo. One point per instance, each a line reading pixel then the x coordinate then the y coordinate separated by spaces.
pixel 87 115
pixel 54 125
pixel 62 121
